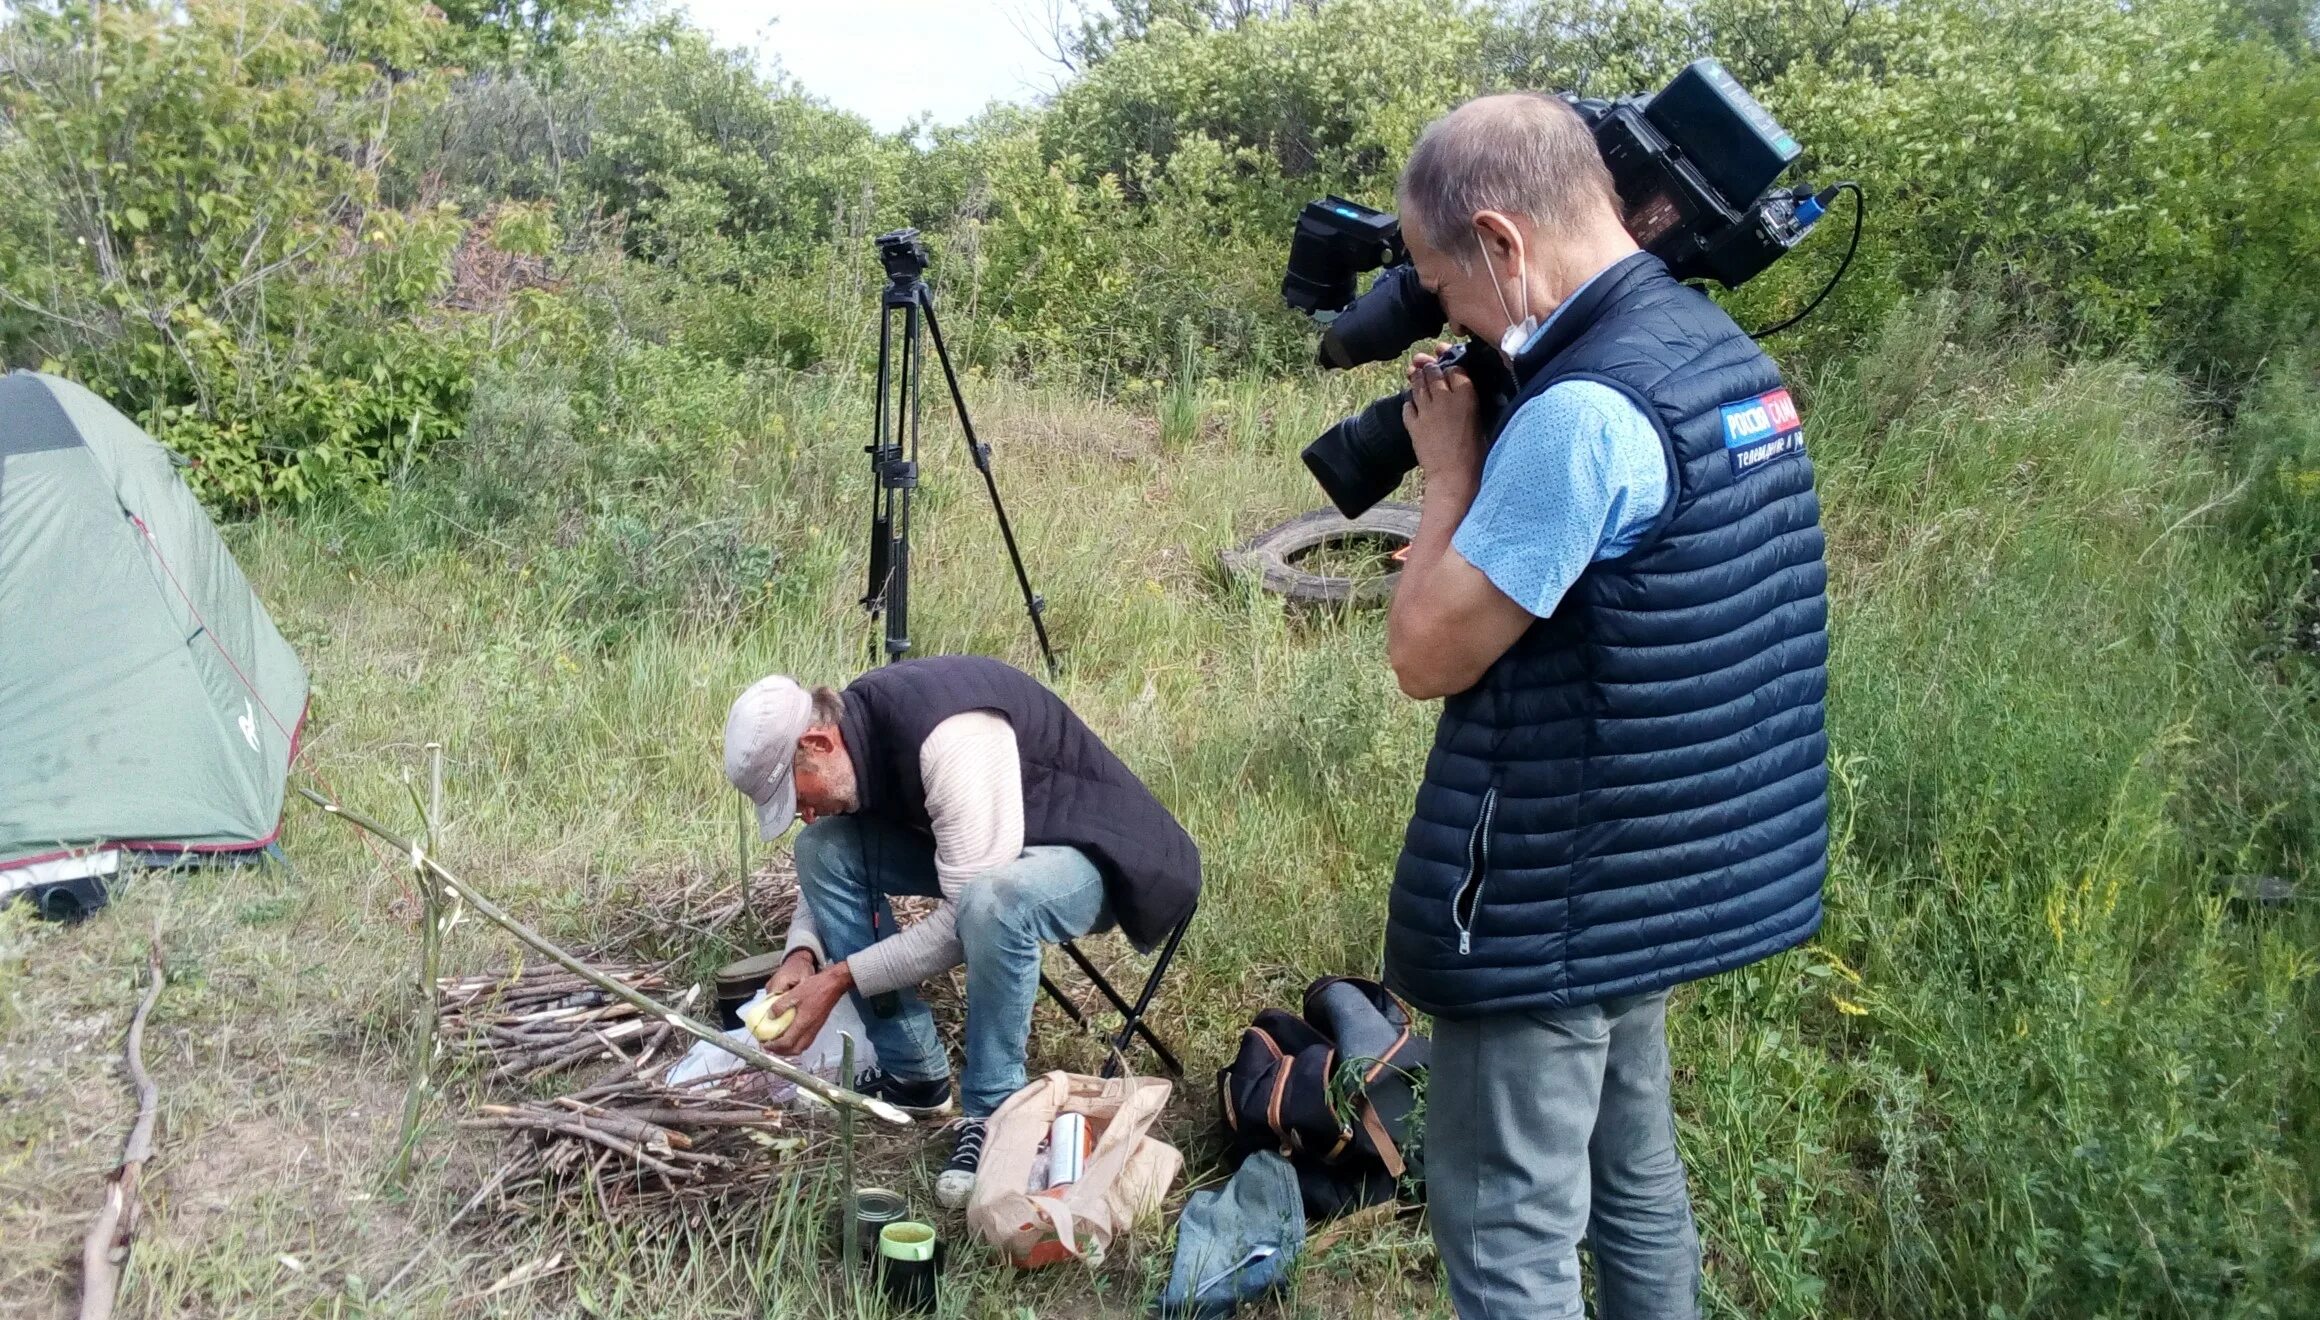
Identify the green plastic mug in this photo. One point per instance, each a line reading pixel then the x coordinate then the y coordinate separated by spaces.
pixel 907 1264
pixel 906 1240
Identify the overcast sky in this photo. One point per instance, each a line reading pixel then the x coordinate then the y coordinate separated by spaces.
pixel 888 60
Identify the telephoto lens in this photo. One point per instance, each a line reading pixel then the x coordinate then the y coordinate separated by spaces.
pixel 1360 460
pixel 1394 313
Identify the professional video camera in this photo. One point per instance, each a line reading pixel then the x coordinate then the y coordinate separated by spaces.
pixel 1694 166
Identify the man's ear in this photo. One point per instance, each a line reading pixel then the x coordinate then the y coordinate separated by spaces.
pixel 1502 241
pixel 820 740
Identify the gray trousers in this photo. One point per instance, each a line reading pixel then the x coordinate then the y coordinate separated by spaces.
pixel 1541 1128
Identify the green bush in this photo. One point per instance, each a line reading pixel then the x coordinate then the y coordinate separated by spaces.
pixel 1328 97
pixel 2129 174
pixel 1152 201
pixel 2042 1069
pixel 519 456
pixel 194 229
pixel 2126 176
pixel 628 485
pixel 709 164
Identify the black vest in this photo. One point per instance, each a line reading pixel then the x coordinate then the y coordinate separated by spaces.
pixel 1636 793
pixel 1075 792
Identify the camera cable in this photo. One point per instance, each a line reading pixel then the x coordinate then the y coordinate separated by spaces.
pixel 1820 201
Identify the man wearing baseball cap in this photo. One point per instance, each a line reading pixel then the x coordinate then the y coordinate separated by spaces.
pixel 961 778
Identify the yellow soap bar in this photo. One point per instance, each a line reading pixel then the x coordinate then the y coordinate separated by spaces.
pixel 759 1026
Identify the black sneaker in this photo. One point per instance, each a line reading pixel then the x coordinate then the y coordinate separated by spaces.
pixel 958 1174
pixel 919 1099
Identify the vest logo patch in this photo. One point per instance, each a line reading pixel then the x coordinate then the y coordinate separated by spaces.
pixel 1760 430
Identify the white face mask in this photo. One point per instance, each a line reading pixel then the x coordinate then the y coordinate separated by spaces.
pixel 1519 333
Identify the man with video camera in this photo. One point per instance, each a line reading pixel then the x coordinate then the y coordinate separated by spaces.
pixel 1620 593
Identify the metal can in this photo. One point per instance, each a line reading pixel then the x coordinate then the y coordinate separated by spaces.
pixel 875 1208
pixel 738 983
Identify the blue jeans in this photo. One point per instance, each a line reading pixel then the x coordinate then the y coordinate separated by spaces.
pixel 1541 1127
pixel 847 865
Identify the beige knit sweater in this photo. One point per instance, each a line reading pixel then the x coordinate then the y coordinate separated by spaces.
pixel 974 797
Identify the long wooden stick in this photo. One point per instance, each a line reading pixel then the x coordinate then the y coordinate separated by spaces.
pixel 430 1020
pixel 106 1249
pixel 850 1230
pixel 837 1096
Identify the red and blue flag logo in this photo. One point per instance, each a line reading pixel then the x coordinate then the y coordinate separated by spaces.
pixel 1759 430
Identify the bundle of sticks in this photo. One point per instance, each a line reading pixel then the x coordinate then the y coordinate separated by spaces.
pixel 544 1020
pixel 637 1141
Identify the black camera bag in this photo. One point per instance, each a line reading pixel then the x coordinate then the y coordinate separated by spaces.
pixel 1333 1091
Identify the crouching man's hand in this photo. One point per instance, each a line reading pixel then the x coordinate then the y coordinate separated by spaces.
pixel 813 999
pixel 794 969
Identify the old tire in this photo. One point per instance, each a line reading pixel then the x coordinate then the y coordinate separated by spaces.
pixel 1272 555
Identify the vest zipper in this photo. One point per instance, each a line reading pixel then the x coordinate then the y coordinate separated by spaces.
pixel 1469 900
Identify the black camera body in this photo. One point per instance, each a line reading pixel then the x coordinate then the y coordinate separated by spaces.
pixel 1334 242
pixel 1694 166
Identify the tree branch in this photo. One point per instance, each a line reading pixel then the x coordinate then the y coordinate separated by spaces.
pixel 106 1248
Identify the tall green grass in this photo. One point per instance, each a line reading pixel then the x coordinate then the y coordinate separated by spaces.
pixel 2036 1063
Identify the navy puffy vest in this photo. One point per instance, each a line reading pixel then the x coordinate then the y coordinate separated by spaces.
pixel 1636 793
pixel 1076 793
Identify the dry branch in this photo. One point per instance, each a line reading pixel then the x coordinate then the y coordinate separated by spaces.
pixel 632 1140
pixel 106 1249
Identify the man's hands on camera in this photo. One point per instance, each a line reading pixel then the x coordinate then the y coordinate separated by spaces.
pixel 1448 622
pixel 1441 417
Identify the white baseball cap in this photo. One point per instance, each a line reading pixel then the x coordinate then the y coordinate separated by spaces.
pixel 761 737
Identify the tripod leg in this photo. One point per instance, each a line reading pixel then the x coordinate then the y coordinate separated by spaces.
pixel 906 403
pixel 1033 604
pixel 893 476
pixel 881 494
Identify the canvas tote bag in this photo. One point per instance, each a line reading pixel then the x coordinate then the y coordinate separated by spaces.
pixel 1127 1174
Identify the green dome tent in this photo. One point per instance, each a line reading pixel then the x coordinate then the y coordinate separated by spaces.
pixel 147 704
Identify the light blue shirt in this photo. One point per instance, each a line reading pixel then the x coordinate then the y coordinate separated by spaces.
pixel 1578 475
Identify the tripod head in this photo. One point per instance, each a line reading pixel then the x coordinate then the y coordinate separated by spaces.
pixel 903 256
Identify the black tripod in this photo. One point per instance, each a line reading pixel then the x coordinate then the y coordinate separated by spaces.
pixel 894 473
